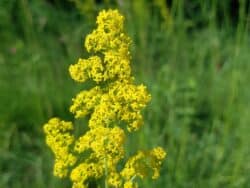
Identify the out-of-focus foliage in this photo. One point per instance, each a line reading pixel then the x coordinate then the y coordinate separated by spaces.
pixel 193 55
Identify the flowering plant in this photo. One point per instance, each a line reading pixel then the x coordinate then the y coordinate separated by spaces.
pixel 114 102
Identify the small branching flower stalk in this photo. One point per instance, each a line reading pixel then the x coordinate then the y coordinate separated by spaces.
pixel 113 105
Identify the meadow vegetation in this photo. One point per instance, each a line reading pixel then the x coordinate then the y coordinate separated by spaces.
pixel 193 57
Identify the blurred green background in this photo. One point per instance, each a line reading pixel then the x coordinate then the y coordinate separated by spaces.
pixel 194 56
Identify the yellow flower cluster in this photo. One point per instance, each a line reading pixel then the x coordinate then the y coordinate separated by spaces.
pixel 119 101
pixel 109 40
pixel 83 171
pixel 114 101
pixel 143 163
pixel 59 138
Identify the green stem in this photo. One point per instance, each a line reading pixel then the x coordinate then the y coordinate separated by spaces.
pixel 133 178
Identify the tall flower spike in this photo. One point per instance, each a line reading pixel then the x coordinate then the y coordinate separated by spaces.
pixel 113 102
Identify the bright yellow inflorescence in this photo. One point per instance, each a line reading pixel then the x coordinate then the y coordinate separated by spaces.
pixel 114 101
pixel 109 40
pixel 59 139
